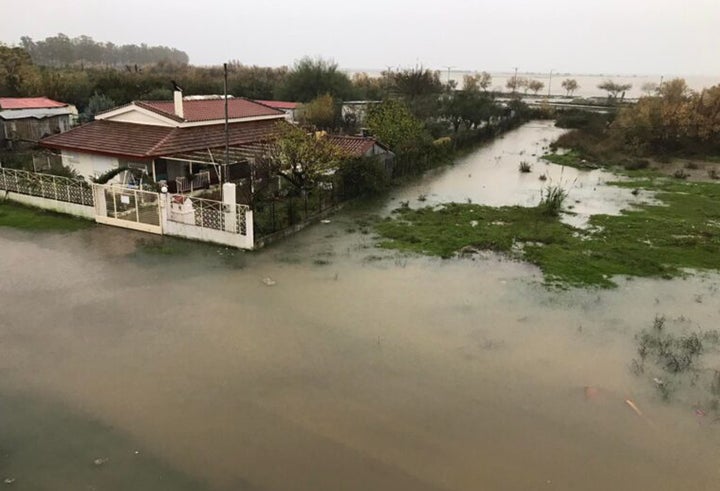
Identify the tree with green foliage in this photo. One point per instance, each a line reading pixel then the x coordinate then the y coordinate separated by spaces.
pixel 393 124
pixel 310 78
pixel 300 157
pixel 321 112
pixel 16 67
pixel 535 85
pixel 469 108
pixel 614 89
pixel 62 50
pixel 97 104
pixel 419 88
pixel 476 82
pixel 570 85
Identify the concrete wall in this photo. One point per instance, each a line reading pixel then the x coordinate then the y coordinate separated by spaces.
pixel 192 231
pixel 51 205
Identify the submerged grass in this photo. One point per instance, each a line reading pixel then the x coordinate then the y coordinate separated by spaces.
pixel 23 217
pixel 659 240
pixel 573 158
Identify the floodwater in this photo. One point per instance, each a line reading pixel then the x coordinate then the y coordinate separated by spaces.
pixel 491 177
pixel 357 369
pixel 587 83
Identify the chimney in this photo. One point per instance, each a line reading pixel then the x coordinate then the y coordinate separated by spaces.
pixel 178 98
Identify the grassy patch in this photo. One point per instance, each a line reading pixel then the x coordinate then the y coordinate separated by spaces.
pixel 652 241
pixel 573 158
pixel 23 217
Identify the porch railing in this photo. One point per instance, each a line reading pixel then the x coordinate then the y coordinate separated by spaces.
pixel 201 180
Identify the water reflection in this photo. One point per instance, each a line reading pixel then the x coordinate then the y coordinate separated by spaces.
pixel 490 176
pixel 370 370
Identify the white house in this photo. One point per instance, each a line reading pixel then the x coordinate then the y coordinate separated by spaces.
pixel 180 142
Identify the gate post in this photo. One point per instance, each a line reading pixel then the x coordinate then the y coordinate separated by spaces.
pixel 229 207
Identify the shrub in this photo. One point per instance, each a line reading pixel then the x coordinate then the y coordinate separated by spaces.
pixel 552 200
pixel 525 166
pixel 713 173
pixel 636 164
pixel 691 165
pixel 362 177
pixel 680 174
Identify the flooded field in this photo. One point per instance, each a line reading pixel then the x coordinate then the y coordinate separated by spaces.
pixel 324 363
pixel 491 177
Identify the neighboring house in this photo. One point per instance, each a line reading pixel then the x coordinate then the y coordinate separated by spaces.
pixel 363 146
pixel 289 108
pixel 180 142
pixel 28 119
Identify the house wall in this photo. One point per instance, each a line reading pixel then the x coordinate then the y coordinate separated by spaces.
pixel 88 165
pixel 138 118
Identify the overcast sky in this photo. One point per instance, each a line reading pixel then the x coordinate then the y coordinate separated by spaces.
pixel 680 37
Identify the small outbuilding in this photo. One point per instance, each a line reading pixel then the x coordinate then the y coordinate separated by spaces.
pixel 28 119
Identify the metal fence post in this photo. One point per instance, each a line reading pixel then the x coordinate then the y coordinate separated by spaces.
pixel 137 207
pixel 55 187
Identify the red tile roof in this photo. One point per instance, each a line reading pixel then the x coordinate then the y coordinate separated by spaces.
pixel 29 103
pixel 209 110
pixel 145 141
pixel 355 146
pixel 280 104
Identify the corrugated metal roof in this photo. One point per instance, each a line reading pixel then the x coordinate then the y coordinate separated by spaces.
pixel 12 114
pixel 29 103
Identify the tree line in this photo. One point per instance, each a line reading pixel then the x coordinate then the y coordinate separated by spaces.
pixel 62 50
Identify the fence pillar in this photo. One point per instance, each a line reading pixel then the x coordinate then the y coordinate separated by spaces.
pixel 229 193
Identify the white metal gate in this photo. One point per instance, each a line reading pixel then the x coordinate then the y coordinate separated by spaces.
pixel 129 208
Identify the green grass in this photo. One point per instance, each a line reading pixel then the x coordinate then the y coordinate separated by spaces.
pixel 573 158
pixel 652 241
pixel 23 217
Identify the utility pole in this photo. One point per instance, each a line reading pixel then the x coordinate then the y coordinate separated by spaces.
pixel 223 168
pixel 550 83
pixel 448 73
pixel 515 80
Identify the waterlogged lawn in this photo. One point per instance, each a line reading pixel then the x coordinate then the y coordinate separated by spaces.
pixel 23 217
pixel 683 232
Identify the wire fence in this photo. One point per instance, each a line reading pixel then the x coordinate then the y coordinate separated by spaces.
pixel 275 214
pixel 46 186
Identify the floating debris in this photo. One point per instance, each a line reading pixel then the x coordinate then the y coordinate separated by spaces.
pixel 269 281
pixel 9 480
pixel 100 461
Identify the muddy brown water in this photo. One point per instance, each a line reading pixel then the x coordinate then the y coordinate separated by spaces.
pixel 358 369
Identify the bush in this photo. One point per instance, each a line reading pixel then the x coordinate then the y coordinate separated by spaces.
pixel 680 174
pixel 362 177
pixel 581 119
pixel 636 164
pixel 552 200
pixel 525 166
